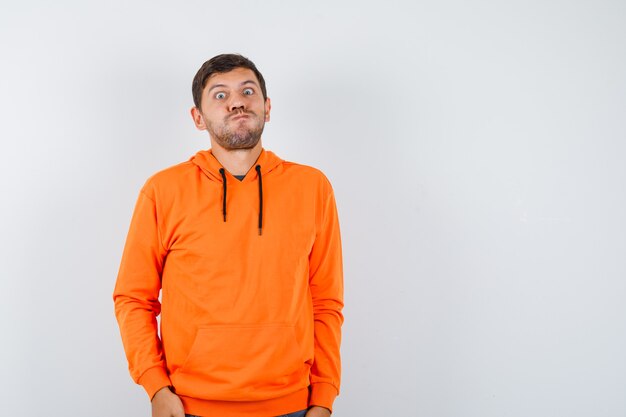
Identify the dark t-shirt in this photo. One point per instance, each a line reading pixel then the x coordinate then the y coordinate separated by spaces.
pixel 240 177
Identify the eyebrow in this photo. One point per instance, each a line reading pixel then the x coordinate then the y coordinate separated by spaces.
pixel 224 85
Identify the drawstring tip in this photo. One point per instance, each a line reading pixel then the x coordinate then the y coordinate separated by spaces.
pixel 224 216
pixel 260 231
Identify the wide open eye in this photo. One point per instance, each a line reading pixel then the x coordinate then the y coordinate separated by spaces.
pixel 220 96
pixel 248 91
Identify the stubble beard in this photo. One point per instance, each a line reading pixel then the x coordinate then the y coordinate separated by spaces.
pixel 238 138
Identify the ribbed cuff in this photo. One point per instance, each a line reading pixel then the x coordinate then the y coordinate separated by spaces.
pixel 154 379
pixel 323 395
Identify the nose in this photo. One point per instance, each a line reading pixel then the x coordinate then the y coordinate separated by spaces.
pixel 236 103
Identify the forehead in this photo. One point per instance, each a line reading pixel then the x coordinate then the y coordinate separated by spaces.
pixel 231 78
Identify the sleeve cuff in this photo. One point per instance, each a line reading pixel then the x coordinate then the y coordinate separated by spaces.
pixel 154 379
pixel 323 395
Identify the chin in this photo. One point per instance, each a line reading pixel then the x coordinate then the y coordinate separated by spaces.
pixel 241 146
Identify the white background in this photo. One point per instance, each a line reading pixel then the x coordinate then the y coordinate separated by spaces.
pixel 477 154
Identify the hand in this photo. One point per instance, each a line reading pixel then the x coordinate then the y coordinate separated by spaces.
pixel 317 411
pixel 167 404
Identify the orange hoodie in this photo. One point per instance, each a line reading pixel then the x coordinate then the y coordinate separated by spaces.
pixel 251 281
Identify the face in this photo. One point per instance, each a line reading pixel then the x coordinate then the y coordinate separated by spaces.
pixel 232 109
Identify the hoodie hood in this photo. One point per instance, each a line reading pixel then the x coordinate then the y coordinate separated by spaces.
pixel 215 171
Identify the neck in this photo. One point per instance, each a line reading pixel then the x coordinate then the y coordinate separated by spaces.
pixel 236 161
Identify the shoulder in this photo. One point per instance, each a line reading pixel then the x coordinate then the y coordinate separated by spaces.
pixel 168 178
pixel 308 174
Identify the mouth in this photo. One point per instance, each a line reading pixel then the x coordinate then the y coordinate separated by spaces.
pixel 240 116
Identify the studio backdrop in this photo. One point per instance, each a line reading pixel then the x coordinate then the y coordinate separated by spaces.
pixel 476 150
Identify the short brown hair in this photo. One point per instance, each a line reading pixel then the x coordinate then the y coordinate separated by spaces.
pixel 220 64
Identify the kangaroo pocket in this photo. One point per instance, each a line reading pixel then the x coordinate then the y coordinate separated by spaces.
pixel 242 363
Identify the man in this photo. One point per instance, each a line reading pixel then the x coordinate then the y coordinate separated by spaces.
pixel 245 250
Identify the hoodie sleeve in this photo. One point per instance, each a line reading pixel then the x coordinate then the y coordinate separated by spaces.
pixel 136 296
pixel 326 283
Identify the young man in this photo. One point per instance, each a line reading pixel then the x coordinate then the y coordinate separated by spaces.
pixel 245 250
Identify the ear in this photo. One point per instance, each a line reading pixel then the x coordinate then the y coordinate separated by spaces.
pixel 268 107
pixel 198 120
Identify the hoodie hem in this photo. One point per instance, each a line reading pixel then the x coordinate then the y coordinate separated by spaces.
pixel 266 408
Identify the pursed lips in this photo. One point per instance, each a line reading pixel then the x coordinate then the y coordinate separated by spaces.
pixel 239 116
